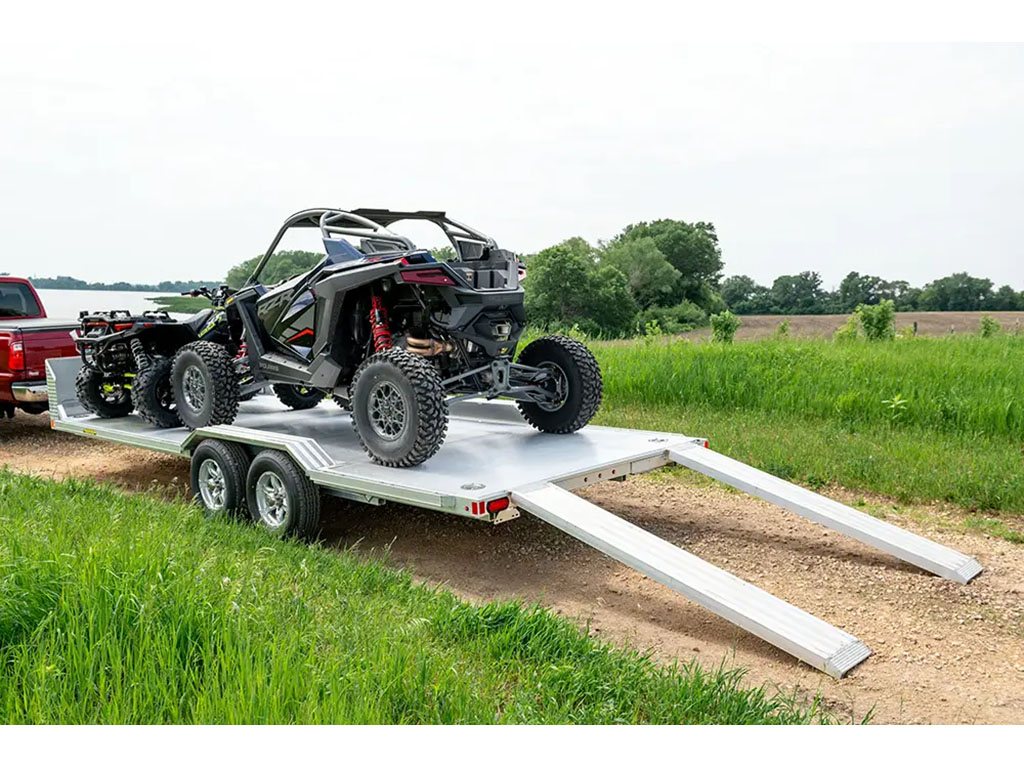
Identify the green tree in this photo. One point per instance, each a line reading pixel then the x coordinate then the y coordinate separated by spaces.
pixel 957 293
pixel 652 280
pixel 878 320
pixel 282 265
pixel 691 248
pixel 566 288
pixel 1005 299
pixel 744 296
pixel 724 326
pixel 799 294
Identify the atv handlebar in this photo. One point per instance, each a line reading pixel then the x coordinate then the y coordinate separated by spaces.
pixel 217 296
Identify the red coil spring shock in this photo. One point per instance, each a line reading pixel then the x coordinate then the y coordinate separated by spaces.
pixel 379 325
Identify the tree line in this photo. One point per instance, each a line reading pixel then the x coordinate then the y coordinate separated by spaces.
pixel 804 294
pixel 63 282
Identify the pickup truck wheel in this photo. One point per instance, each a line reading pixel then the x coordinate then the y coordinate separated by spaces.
pixel 281 498
pixel 398 408
pixel 205 386
pixel 101 397
pixel 298 398
pixel 153 396
pixel 218 478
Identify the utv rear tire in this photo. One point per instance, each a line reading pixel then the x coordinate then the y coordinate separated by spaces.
pixel 580 376
pixel 107 405
pixel 152 394
pixel 398 408
pixel 297 397
pixel 204 383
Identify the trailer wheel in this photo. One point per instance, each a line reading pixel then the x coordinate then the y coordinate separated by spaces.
pixel 577 384
pixel 205 385
pixel 218 478
pixel 98 396
pixel 281 498
pixel 398 408
pixel 297 397
pixel 152 394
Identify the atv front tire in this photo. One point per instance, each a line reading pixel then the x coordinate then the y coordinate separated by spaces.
pixel 398 408
pixel 108 401
pixel 298 398
pixel 204 384
pixel 152 394
pixel 576 377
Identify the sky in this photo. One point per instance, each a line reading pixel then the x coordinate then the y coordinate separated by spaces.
pixel 149 145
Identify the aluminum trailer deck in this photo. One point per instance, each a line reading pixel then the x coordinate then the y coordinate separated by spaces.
pixel 533 472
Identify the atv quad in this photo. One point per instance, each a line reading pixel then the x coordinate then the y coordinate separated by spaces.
pixel 127 359
pixel 391 334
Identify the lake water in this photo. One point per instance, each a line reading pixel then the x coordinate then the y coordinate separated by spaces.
pixel 62 304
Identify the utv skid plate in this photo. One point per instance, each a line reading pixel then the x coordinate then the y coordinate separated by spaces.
pixel 493 465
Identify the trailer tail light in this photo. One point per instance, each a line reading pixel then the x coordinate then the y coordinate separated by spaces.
pixel 498 505
pixel 707 443
pixel 16 356
pixel 429 276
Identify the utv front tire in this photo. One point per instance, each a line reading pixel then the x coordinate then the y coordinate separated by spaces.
pixel 98 397
pixel 298 398
pixel 152 394
pixel 577 379
pixel 204 384
pixel 398 408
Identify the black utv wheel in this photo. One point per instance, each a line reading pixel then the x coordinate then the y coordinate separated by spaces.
pixel 398 408
pixel 280 496
pixel 575 384
pixel 204 384
pixel 152 395
pixel 98 396
pixel 219 471
pixel 298 398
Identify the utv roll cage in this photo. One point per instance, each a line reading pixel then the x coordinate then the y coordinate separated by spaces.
pixel 371 226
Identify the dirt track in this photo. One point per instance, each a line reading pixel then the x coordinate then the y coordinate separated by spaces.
pixel 942 652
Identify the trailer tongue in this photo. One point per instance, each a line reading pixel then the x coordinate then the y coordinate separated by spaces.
pixel 493 465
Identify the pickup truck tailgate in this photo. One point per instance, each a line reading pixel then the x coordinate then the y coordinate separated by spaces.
pixel 41 340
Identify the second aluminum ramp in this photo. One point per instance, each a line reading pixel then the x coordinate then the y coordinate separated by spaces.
pixel 793 630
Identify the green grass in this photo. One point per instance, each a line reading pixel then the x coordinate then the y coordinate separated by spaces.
pixel 921 420
pixel 184 305
pixel 128 609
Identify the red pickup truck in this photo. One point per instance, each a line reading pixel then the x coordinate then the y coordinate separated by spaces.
pixel 27 340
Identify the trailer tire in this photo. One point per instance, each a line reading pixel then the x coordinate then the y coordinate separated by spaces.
pixel 153 396
pixel 297 397
pixel 219 472
pixel 89 389
pixel 281 497
pixel 398 408
pixel 205 385
pixel 580 375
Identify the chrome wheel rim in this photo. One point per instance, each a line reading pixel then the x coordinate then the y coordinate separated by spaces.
pixel 212 488
pixel 387 411
pixel 193 387
pixel 561 392
pixel 271 500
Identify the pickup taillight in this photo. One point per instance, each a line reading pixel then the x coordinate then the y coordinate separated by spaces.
pixel 16 356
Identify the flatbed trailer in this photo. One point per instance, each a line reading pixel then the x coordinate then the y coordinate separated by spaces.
pixel 494 466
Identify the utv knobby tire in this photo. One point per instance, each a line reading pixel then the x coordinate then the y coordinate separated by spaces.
pixel 297 397
pixel 302 519
pixel 582 377
pixel 416 385
pixel 210 365
pixel 152 394
pixel 232 463
pixel 89 389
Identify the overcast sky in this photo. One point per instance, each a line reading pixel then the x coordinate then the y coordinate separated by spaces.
pixel 175 150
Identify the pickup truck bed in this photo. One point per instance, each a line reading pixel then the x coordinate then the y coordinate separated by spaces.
pixel 26 343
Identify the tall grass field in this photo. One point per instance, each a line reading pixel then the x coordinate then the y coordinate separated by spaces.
pixel 128 609
pixel 921 419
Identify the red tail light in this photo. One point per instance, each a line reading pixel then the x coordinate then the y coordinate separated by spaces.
pixel 497 505
pixel 16 356
pixel 429 276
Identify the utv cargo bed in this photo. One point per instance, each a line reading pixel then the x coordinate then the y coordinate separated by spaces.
pixel 493 465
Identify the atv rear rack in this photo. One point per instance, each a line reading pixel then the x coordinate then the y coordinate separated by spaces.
pixel 493 465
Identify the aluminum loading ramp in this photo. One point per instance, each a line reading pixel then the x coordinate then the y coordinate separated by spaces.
pixel 491 455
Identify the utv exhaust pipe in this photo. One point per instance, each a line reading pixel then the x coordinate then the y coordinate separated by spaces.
pixel 427 347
